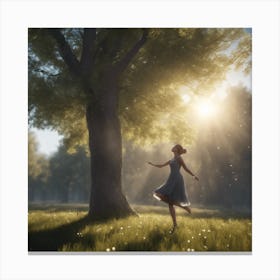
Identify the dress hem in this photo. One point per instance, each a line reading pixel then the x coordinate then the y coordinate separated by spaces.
pixel 180 203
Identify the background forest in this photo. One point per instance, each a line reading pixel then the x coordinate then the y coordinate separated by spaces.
pixel 220 154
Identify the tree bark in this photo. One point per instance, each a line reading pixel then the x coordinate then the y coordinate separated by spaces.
pixel 105 143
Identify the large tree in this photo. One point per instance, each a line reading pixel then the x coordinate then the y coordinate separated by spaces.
pixel 99 85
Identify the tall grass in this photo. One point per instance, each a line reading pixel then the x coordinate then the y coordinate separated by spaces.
pixel 204 230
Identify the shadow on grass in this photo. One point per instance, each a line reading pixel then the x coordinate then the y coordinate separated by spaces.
pixel 202 213
pixel 53 239
pixel 54 207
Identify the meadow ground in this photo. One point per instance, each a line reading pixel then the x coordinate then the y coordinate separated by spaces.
pixel 65 228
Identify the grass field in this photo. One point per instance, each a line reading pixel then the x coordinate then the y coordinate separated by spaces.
pixel 65 228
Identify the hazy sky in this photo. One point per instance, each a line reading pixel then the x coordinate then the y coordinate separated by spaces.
pixel 48 140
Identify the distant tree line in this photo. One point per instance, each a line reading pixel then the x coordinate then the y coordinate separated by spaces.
pixel 221 156
pixel 62 177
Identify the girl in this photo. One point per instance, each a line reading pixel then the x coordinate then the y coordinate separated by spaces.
pixel 173 190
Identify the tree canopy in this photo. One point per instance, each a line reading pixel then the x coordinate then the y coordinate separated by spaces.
pixel 150 108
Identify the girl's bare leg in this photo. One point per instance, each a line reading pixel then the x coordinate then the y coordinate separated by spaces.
pixel 165 199
pixel 171 209
pixel 173 215
pixel 187 208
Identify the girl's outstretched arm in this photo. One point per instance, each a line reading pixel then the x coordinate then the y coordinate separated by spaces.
pixel 187 169
pixel 159 165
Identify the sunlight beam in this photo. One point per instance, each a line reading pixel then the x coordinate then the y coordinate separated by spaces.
pixel 205 108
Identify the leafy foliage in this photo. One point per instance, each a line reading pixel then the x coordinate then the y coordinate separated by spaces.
pixel 70 176
pixel 197 57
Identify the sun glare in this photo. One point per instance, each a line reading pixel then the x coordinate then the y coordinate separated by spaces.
pixel 205 108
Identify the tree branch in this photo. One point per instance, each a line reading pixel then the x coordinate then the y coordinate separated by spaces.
pixel 121 66
pixel 118 42
pixel 65 51
pixel 87 57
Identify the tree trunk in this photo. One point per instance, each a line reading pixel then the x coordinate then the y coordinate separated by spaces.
pixel 105 143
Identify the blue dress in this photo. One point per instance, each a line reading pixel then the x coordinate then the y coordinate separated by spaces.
pixel 174 188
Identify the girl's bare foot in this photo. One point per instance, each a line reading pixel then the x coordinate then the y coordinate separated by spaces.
pixel 188 209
